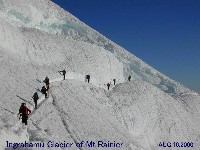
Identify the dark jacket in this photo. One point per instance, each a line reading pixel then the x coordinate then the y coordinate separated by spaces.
pixel 35 96
pixel 46 81
pixel 108 84
pixel 43 90
pixel 64 72
pixel 87 76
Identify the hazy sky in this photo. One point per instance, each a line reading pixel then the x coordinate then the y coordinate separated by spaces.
pixel 163 33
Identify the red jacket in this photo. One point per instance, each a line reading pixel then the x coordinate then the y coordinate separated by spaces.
pixel 27 111
pixel 24 111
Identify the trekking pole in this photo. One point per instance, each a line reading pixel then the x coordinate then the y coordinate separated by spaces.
pixel 59 72
pixel 19 116
pixel 8 110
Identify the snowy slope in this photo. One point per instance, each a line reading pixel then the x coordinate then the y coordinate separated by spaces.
pixel 48 17
pixel 38 38
pixel 84 115
pixel 153 116
pixel 34 55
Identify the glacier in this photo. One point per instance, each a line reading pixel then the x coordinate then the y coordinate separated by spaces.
pixel 62 23
pixel 38 38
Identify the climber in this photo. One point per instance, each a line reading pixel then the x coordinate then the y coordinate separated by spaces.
pixel 114 80
pixel 88 78
pixel 44 91
pixel 24 112
pixel 129 78
pixel 63 73
pixel 35 98
pixel 46 81
pixel 108 85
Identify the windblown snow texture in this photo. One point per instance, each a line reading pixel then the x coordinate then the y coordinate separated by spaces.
pixel 38 39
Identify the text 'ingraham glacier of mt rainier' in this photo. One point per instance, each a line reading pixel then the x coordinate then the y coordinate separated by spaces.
pixel 65 144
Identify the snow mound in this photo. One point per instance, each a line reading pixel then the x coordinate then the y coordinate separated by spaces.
pixel 80 112
pixel 153 116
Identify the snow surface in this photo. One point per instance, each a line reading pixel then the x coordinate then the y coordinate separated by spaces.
pixel 46 16
pixel 151 115
pixel 38 39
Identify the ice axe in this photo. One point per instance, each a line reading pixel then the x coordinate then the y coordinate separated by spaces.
pixel 60 72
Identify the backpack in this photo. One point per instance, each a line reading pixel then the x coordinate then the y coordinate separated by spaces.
pixel 35 96
pixel 43 91
pixel 22 110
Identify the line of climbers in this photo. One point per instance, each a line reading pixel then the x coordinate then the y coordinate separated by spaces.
pixel 24 111
pixel 114 82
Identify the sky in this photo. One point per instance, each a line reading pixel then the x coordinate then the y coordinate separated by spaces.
pixel 163 33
